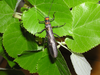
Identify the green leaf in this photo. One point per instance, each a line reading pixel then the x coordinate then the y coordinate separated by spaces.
pixel 6 16
pixel 3 54
pixel 62 65
pixel 85 28
pixel 9 61
pixel 73 3
pixel 11 3
pixel 40 62
pixel 57 67
pixel 30 60
pixel 1 47
pixel 62 16
pixel 16 40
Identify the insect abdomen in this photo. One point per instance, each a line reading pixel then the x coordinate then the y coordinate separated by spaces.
pixel 51 40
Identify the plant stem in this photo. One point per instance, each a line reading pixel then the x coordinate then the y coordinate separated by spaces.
pixel 17 15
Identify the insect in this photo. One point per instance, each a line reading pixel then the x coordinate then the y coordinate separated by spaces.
pixel 49 33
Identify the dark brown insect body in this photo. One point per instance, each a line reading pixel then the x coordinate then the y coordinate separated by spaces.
pixel 50 37
pixel 49 33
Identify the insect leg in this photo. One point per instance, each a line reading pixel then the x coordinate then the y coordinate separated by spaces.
pixel 40 31
pixel 44 44
pixel 56 35
pixel 45 38
pixel 58 26
pixel 41 22
pixel 53 17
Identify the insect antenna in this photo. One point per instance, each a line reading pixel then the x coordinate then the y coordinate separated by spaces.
pixel 40 12
pixel 50 8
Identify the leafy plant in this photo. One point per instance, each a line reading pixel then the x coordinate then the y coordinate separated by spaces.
pixel 19 40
